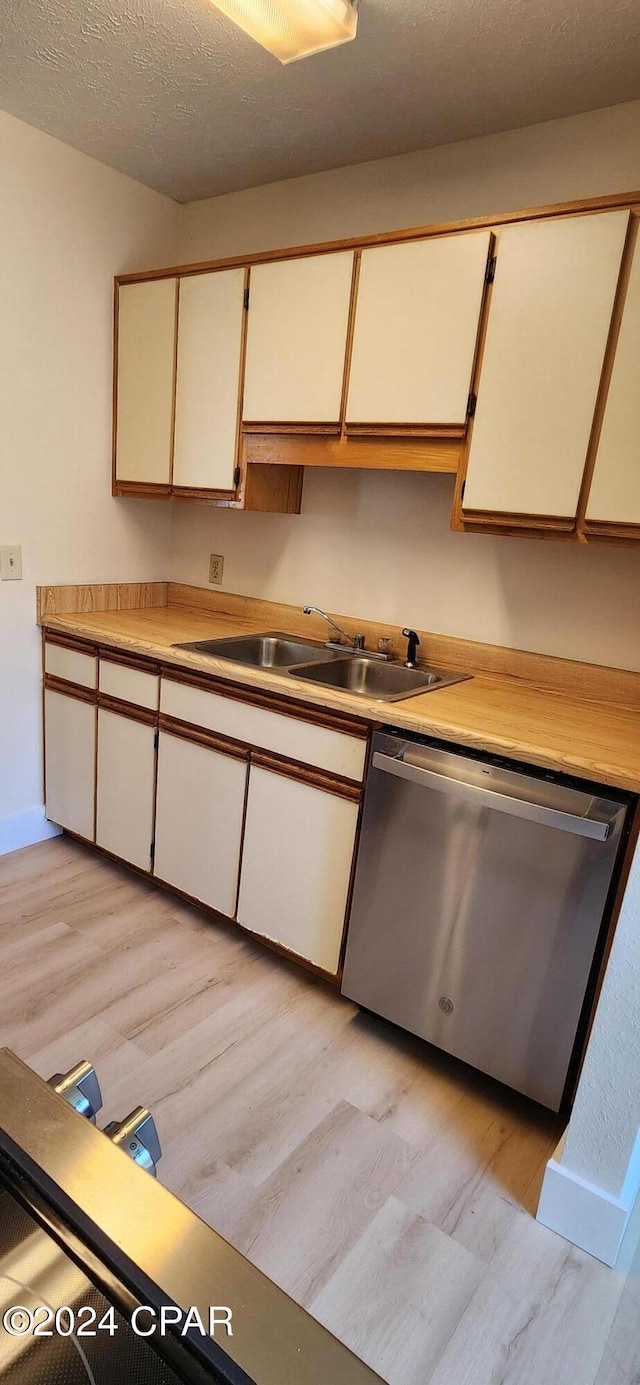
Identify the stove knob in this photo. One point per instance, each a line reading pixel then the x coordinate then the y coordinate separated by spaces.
pixel 138 1137
pixel 80 1087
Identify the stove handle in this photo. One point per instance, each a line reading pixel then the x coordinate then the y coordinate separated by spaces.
pixel 80 1087
pixel 138 1137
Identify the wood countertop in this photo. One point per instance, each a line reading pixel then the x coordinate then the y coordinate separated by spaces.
pixel 565 729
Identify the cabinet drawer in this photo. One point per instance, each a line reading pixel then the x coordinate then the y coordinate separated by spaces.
pixel 335 751
pixel 129 684
pixel 70 664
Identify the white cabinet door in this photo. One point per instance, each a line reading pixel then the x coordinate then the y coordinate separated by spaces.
pixel 70 754
pixel 210 327
pixel 297 338
pixel 615 488
pixel 199 811
pixel 548 324
pixel 296 865
pixel 416 326
pixel 126 775
pixel 145 380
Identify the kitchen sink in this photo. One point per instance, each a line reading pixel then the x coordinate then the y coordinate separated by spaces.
pixel 271 649
pixel 361 674
pixel 383 682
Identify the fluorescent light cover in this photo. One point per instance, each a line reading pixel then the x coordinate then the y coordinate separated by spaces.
pixel 292 29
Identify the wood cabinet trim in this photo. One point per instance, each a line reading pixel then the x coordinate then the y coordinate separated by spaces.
pixel 76 690
pixel 240 492
pixel 211 740
pixel 578 207
pixel 201 493
pixel 304 774
pixel 145 490
pixel 457 431
pixel 351 328
pixel 496 518
pixel 458 517
pixel 269 701
pixel 607 372
pixel 139 662
pixel 400 451
pixel 606 529
pixel 329 430
pixel 129 710
pixel 352 881
pixel 174 382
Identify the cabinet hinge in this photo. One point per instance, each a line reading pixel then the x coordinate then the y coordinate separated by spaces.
pixel 490 272
pixel 471 405
pixel 246 298
pixel 152 853
pixel 236 476
pixel 156 740
pixel 462 490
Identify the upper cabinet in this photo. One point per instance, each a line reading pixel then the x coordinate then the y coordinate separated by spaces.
pixel 297 340
pixel 614 496
pixel 146 334
pixel 416 327
pixel 548 326
pixel 503 355
pixel 179 353
pixel 208 380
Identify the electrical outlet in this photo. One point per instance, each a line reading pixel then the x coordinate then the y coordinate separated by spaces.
pixel 11 563
pixel 216 564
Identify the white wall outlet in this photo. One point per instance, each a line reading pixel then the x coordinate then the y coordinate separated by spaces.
pixel 11 563
pixel 216 564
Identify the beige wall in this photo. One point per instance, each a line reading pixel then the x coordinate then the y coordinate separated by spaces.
pixel 380 545
pixel 67 225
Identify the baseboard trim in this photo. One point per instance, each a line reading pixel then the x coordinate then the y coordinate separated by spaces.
pixel 25 829
pixel 584 1214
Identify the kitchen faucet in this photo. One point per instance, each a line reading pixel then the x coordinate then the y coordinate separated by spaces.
pixel 356 641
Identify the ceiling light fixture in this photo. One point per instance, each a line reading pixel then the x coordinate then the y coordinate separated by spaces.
pixel 292 29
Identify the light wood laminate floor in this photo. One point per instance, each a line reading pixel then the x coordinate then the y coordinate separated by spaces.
pixel 386 1187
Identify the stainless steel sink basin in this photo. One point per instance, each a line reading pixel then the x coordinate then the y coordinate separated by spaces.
pixel 383 682
pixel 271 649
pixel 308 659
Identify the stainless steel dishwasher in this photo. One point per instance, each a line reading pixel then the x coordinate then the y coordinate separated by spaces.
pixel 478 902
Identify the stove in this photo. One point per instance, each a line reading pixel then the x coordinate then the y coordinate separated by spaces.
pixel 107 1277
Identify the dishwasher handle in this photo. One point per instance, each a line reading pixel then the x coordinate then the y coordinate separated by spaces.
pixel 596 828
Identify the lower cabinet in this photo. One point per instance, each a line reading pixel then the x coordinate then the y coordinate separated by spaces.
pixel 299 843
pixel 126 780
pixel 199 813
pixel 70 760
pixel 249 809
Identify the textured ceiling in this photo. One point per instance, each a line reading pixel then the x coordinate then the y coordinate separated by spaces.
pixel 170 92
